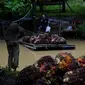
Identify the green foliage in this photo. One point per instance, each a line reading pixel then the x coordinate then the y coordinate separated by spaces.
pixel 8 72
pixel 81 29
pixel 17 6
pixel 77 6
pixel 83 56
pixel 21 7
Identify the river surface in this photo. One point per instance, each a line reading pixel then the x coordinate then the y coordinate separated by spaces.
pixel 28 57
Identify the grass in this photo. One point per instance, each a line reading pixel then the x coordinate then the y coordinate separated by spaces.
pixel 10 73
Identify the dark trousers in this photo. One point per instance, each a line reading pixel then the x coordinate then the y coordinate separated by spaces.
pixel 13 54
pixel 41 28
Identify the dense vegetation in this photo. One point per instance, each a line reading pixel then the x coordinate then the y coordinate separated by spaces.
pixel 77 8
pixel 21 7
pixel 18 8
pixel 15 7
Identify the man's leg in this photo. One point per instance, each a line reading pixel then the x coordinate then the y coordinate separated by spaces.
pixel 15 59
pixel 10 55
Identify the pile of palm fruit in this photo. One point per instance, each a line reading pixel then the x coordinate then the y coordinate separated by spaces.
pixel 44 38
pixel 64 69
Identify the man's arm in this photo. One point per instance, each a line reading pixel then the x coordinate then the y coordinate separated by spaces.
pixel 21 31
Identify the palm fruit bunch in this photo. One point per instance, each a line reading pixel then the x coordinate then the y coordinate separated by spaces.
pixel 75 77
pixel 45 63
pixel 44 38
pixel 26 38
pixel 66 61
pixel 48 68
pixel 63 70
pixel 28 76
pixel 81 60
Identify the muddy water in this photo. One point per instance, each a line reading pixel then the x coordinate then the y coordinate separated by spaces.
pixel 28 57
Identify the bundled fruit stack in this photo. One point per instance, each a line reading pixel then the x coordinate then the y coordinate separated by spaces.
pixel 63 70
pixel 44 38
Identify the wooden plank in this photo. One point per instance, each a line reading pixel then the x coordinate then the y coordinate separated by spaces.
pixel 39 47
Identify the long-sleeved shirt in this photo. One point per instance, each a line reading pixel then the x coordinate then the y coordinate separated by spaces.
pixel 13 31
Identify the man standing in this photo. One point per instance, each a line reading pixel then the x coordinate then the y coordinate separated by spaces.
pixel 43 23
pixel 11 37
